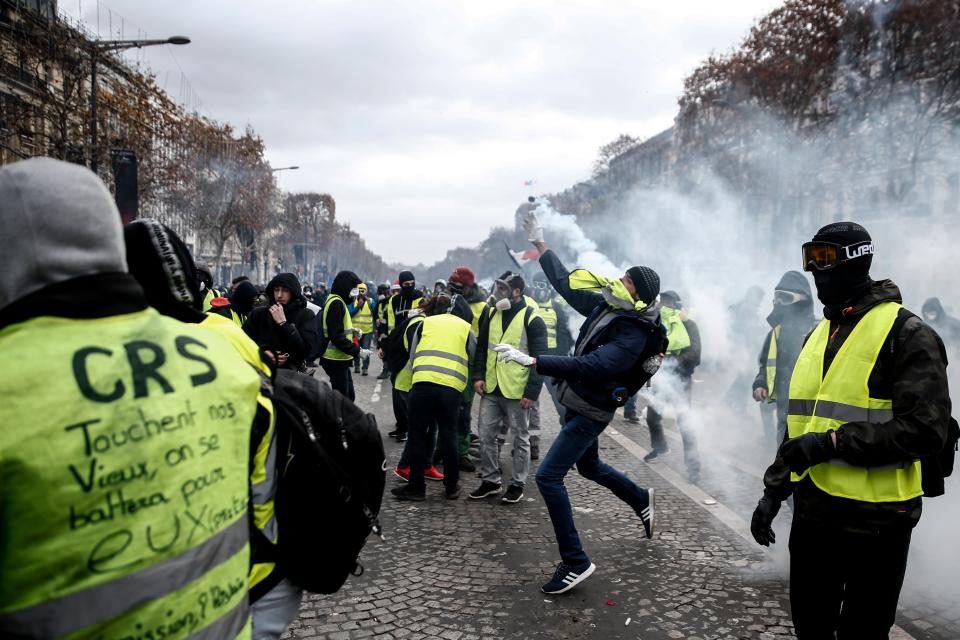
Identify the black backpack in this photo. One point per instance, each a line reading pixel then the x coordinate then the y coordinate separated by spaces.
pixel 331 472
pixel 936 468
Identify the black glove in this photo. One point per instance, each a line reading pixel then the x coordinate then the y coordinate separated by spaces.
pixel 805 451
pixel 762 521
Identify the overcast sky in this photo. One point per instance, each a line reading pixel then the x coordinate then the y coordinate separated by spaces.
pixel 424 119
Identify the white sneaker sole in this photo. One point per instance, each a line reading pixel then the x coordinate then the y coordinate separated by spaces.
pixel 583 576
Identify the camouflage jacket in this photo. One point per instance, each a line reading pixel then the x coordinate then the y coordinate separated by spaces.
pixel 911 370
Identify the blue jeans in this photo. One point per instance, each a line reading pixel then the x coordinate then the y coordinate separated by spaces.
pixel 577 444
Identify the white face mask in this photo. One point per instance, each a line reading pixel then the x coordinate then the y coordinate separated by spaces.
pixel 354 292
pixel 503 304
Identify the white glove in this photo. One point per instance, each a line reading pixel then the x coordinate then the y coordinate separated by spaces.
pixel 365 353
pixel 512 354
pixel 531 224
pixel 357 333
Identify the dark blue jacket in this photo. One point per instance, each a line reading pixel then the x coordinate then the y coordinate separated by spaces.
pixel 611 359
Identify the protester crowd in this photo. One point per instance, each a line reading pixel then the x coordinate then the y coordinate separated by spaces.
pixel 139 487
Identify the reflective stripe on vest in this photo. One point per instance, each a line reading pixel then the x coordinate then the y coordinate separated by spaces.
pixel 549 316
pixel 510 377
pixel 263 476
pixel 819 403
pixel 125 503
pixel 677 334
pixel 332 352
pixel 404 379
pixel 363 318
pixel 772 364
pixel 441 353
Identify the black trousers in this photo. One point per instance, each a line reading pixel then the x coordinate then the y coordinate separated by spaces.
pixel 433 403
pixel 845 585
pixel 400 409
pixel 340 378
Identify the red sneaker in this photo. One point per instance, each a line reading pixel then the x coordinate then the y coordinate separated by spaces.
pixel 403 473
pixel 430 473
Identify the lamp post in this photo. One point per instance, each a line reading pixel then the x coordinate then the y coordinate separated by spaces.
pixel 97 47
pixel 293 168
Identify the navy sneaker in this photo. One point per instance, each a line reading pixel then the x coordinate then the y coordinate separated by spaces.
pixel 567 577
pixel 647 513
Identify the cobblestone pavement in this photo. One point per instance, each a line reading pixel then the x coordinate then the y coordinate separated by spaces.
pixel 471 570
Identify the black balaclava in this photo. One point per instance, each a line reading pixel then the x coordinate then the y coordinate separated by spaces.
pixel 244 295
pixel 159 260
pixel 408 292
pixel 344 283
pixel 847 282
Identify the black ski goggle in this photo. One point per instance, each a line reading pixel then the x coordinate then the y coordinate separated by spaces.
pixel 820 256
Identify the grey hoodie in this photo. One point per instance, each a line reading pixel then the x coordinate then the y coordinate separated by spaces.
pixel 58 222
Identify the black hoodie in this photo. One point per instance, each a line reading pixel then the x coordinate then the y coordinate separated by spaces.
pixel 297 336
pixel 796 321
pixel 343 284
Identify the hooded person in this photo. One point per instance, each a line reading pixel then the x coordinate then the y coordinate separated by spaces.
pixel 84 353
pixel 868 401
pixel 337 348
pixel 946 326
pixel 619 348
pixel 363 311
pixel 284 327
pixel 791 321
pixel 162 264
pixel 398 310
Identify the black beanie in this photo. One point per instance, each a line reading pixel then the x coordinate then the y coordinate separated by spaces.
pixel 847 234
pixel 162 264
pixel 405 276
pixel 513 280
pixel 671 299
pixel 646 281
pixel 243 297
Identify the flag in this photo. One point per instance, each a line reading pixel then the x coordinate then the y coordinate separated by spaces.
pixel 521 258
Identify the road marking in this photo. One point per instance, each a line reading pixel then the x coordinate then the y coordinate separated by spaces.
pixel 376 391
pixel 720 511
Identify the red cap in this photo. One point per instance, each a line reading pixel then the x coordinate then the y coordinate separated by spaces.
pixel 463 276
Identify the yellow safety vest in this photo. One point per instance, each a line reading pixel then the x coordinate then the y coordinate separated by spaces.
pixel 821 402
pixel 332 352
pixel 363 318
pixel 510 377
pixel 392 316
pixel 549 316
pixel 676 332
pixel 477 308
pixel 208 299
pixel 772 364
pixel 125 486
pixel 404 379
pixel 440 355
pixel 263 486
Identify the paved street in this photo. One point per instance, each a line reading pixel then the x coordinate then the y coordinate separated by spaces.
pixel 466 569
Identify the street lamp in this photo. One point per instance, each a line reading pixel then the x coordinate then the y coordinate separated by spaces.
pixel 97 47
pixel 293 168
